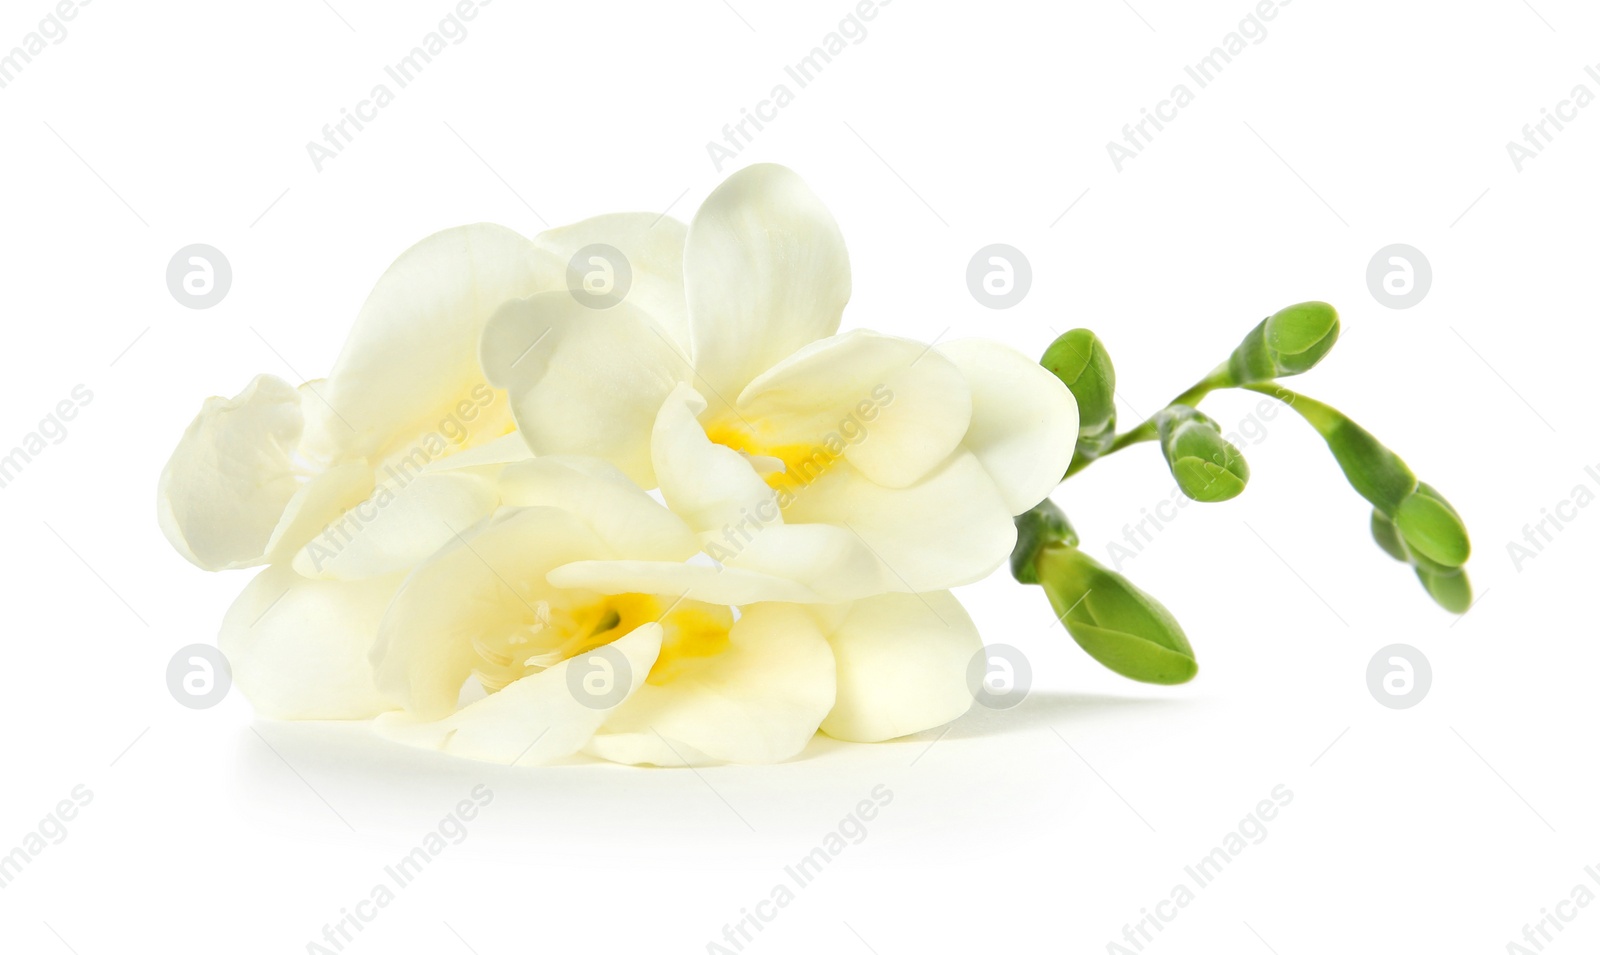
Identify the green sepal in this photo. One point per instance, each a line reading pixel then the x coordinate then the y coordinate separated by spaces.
pixel 1431 527
pixel 1038 528
pixel 1388 537
pixel 1449 589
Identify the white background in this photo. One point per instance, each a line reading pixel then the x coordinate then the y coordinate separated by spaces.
pixel 1351 126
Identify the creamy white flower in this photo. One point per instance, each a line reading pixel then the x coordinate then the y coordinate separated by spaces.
pixel 425 566
pixel 688 681
pixel 368 471
pixel 812 466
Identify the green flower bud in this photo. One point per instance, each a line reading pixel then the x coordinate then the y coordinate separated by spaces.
pixel 1038 528
pixel 1081 362
pixel 1289 342
pixel 1121 626
pixel 1447 585
pixel 1206 467
pixel 1449 589
pixel 1411 521
pixel 1431 527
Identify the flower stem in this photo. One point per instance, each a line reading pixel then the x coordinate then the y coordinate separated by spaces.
pixel 1146 430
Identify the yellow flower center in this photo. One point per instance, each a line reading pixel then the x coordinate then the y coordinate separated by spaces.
pixel 551 632
pixel 785 467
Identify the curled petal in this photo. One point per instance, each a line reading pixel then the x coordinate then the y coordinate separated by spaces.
pixel 533 721
pixel 712 487
pixel 226 486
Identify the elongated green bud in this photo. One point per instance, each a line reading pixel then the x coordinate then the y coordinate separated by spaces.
pixel 1128 631
pixel 1411 521
pixel 1288 342
pixel 1206 466
pixel 1081 362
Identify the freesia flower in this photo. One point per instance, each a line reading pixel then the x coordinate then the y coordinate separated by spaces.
pixel 348 477
pixel 670 680
pixel 485 571
pixel 812 466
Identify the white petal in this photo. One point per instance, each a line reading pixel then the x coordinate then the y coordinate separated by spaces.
pixel 712 487
pixel 226 485
pixel 318 503
pixel 902 665
pixel 765 272
pixel 758 701
pixel 486 581
pixel 728 586
pixel 582 380
pixel 893 407
pixel 948 529
pixel 298 648
pixel 652 244
pixel 506 449
pixel 412 355
pixel 534 720
pixel 882 543
pixel 1024 420
pixel 831 561
pixel 626 518
pixel 402 523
